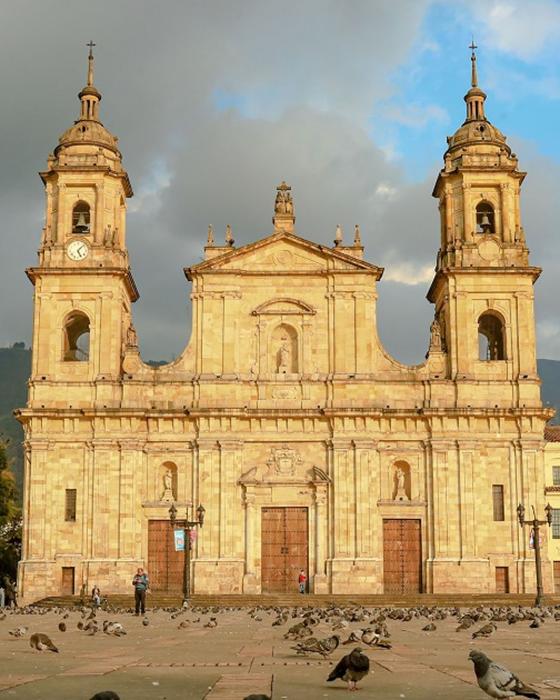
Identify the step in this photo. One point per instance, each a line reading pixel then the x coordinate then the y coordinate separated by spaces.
pixel 166 600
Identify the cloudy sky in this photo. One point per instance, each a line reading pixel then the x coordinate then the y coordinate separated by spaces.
pixel 215 102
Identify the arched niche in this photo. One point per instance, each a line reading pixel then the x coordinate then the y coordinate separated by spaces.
pixel 81 218
pixel 485 218
pixel 168 481
pixel 401 481
pixel 76 333
pixel 491 337
pixel 284 349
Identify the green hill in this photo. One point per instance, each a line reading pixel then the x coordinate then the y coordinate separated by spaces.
pixel 15 367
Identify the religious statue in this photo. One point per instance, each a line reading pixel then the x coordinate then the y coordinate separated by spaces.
pixel 108 237
pixel 131 337
pixel 168 486
pixel 288 204
pixel 400 482
pixel 285 357
pixel 283 203
pixel 279 204
pixel 435 336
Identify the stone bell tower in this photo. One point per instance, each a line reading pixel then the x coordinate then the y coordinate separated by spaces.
pixel 483 287
pixel 83 285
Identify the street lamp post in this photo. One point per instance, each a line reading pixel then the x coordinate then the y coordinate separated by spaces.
pixel 187 526
pixel 535 523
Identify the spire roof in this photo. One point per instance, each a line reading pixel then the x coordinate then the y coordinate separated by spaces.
pixel 476 129
pixel 88 129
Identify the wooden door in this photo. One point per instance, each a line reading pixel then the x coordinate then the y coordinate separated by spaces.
pixel 502 579
pixel 67 587
pixel 402 556
pixel 556 569
pixel 284 549
pixel 165 565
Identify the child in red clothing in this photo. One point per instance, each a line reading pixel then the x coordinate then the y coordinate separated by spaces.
pixel 302 580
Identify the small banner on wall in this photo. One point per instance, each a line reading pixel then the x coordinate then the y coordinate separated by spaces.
pixel 532 539
pixel 179 540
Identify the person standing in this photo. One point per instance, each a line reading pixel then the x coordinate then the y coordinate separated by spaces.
pixel 96 596
pixel 302 581
pixel 140 583
pixel 2 596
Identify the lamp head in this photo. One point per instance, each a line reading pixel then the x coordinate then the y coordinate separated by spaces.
pixel 521 513
pixel 548 511
pixel 172 513
pixel 200 512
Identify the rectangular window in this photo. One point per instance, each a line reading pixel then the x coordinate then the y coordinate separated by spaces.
pixel 70 506
pixel 556 476
pixel 498 501
pixel 556 523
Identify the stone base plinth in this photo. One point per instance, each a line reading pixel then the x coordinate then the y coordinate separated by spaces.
pixel 218 576
pixel 356 576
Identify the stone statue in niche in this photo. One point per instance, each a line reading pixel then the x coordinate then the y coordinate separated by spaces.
pixel 285 357
pixel 400 485
pixel 168 494
pixel 131 337
pixel 435 336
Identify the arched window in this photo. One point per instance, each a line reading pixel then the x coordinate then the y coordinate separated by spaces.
pixel 76 338
pixel 81 218
pixel 491 337
pixel 284 350
pixel 485 218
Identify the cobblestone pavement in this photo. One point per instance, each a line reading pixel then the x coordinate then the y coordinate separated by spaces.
pixel 242 655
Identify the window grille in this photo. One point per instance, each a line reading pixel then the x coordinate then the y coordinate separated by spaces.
pixel 556 476
pixel 70 506
pixel 556 523
pixel 498 501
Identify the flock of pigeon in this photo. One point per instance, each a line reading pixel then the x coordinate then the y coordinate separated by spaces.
pixel 354 625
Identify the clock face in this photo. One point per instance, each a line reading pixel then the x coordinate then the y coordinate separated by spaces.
pixel 77 250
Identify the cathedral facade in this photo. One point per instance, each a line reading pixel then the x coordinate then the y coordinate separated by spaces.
pixel 306 443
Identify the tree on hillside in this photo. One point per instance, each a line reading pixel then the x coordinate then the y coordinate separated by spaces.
pixel 10 518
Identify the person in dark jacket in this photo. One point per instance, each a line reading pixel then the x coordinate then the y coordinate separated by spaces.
pixel 141 584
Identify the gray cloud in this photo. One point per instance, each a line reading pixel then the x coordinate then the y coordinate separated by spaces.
pixel 302 86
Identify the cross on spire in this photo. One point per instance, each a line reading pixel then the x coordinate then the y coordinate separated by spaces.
pixel 90 63
pixel 91 45
pixel 474 76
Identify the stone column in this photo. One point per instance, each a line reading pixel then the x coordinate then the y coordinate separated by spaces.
pixel 505 204
pixel 320 583
pixel 251 579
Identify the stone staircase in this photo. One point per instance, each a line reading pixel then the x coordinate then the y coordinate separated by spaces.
pixel 170 600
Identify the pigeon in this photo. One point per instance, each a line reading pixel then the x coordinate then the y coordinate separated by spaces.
pixel 105 695
pixel 325 647
pixel 62 626
pixel 41 642
pixel 260 696
pixel 145 622
pixel 351 668
pixel 18 632
pixel 114 628
pixel 212 622
pixel 485 630
pixel 497 681
pixel 352 638
pixel 429 628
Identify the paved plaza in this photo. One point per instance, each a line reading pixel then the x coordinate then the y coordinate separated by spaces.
pixel 176 656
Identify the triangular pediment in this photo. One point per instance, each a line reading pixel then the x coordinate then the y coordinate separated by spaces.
pixel 280 252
